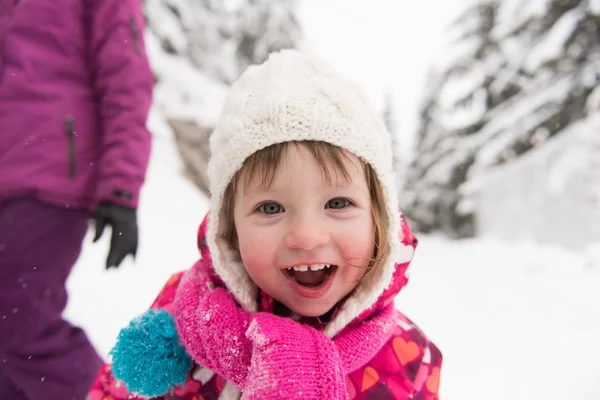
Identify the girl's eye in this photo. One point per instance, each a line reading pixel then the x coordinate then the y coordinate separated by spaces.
pixel 338 203
pixel 270 208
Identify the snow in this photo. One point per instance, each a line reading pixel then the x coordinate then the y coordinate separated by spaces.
pixel 513 14
pixel 462 99
pixel 595 7
pixel 513 50
pixel 493 148
pixel 573 160
pixel 462 52
pixel 466 25
pixel 166 25
pixel 520 108
pixel 184 93
pixel 270 25
pixel 514 321
pixel 593 101
pixel 462 116
pixel 461 84
pixel 552 45
pixel 558 180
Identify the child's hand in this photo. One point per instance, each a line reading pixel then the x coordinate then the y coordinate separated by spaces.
pixel 294 361
pixel 212 328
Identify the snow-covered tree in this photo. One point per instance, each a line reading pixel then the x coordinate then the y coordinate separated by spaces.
pixel 194 48
pixel 455 107
pixel 517 73
pixel 222 38
pixel 388 113
pixel 391 123
pixel 265 26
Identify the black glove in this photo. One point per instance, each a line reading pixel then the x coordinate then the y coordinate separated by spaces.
pixel 124 240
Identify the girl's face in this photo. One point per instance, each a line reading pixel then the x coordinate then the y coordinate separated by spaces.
pixel 305 241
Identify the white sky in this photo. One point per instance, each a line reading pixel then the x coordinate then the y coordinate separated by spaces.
pixel 381 44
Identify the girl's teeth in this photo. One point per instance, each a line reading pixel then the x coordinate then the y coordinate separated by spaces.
pixel 313 267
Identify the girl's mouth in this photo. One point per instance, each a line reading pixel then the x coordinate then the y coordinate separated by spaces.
pixel 311 280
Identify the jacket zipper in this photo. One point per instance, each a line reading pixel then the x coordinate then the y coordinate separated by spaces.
pixel 135 35
pixel 70 132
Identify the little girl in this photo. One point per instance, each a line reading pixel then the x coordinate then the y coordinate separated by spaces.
pixel 303 252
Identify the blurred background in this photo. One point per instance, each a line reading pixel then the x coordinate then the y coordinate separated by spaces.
pixel 495 110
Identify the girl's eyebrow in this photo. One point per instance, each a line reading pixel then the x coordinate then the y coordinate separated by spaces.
pixel 347 185
pixel 257 190
pixel 364 190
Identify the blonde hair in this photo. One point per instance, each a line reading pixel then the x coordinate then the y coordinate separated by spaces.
pixel 267 160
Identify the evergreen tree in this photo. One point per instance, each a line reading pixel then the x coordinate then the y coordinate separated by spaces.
pixel 455 108
pixel 523 73
pixel 222 41
pixel 197 48
pixel 265 26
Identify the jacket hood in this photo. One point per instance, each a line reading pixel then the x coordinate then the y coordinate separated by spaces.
pixel 297 97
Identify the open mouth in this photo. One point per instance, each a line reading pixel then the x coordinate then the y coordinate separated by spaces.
pixel 311 276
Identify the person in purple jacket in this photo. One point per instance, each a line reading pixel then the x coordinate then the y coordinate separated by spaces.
pixel 75 91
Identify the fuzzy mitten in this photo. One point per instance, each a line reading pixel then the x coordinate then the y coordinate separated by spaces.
pixel 212 327
pixel 294 361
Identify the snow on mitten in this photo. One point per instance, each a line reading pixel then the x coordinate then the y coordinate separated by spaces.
pixel 148 356
pixel 212 328
pixel 292 361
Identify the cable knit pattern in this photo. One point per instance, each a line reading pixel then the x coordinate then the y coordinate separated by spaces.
pixel 289 97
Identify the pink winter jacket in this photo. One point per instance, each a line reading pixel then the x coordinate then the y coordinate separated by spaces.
pixel 75 92
pixel 379 355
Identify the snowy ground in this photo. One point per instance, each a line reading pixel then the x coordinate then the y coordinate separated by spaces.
pixel 513 322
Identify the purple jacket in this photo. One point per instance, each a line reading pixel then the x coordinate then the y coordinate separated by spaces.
pixel 75 90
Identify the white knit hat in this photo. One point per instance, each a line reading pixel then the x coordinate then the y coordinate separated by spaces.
pixel 292 96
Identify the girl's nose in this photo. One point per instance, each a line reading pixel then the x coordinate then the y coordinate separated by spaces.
pixel 306 235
